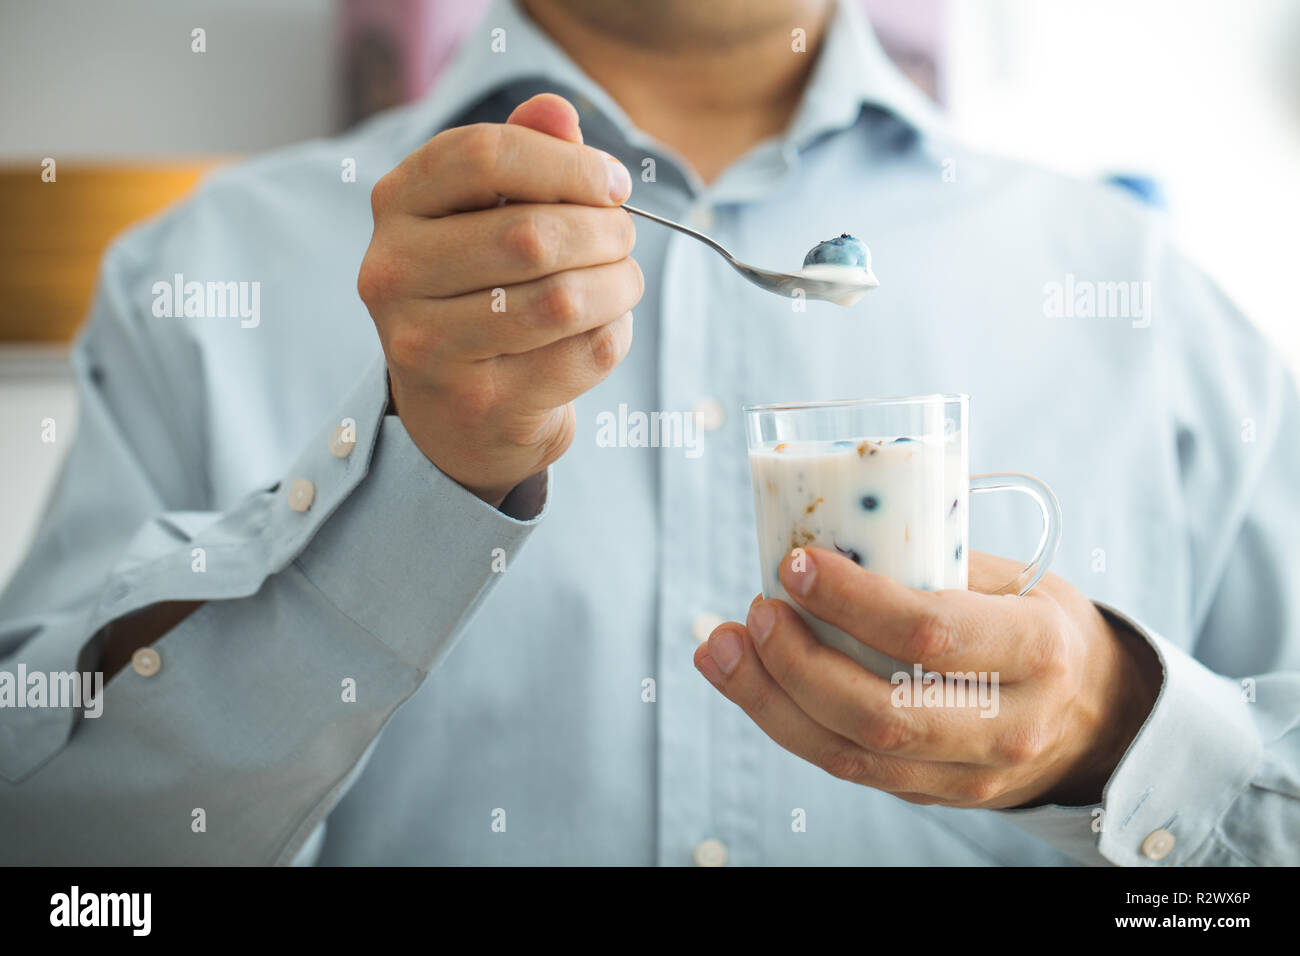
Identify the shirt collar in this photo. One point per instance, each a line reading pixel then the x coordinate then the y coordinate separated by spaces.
pixel 853 71
pixel 506 47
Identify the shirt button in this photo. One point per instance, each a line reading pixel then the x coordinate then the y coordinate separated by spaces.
pixel 301 494
pixel 146 661
pixel 339 446
pixel 709 413
pixel 702 218
pixel 1157 844
pixel 710 852
pixel 705 624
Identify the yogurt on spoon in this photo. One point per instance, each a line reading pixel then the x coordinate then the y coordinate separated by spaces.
pixel 842 259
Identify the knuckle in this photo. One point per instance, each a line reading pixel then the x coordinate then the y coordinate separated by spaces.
pixel 532 240
pixel 410 345
pixel 1050 647
pixel 919 799
pixel 757 700
pixel 557 435
pixel 888 734
pixel 378 277
pixel 1024 743
pixel 607 346
pixel 382 194
pixel 560 304
pixel 588 167
pixel 638 279
pixel 479 149
pixel 626 231
pixel 845 763
pixel 931 638
pixel 786 660
pixel 978 789
pixel 369 285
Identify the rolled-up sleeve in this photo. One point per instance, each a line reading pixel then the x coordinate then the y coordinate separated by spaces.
pixel 330 595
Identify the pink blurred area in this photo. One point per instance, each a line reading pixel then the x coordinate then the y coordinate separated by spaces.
pixel 394 49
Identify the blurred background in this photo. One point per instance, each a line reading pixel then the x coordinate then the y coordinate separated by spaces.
pixel 1192 104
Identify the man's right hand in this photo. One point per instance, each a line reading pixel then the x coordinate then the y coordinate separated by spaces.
pixel 487 394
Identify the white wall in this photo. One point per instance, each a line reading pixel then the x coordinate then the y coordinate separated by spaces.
pixel 35 385
pixel 1205 94
pixel 116 78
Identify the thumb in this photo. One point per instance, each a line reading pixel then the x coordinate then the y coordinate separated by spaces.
pixel 549 114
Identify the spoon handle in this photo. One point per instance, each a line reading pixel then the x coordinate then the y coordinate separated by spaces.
pixel 682 229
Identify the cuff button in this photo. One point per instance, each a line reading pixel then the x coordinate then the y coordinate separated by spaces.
pixel 146 661
pixel 1158 844
pixel 301 494
pixel 343 441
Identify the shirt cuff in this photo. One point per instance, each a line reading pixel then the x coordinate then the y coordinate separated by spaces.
pixel 1190 760
pixel 387 539
pixel 409 554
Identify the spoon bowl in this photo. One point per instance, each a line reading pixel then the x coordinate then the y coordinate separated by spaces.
pixel 791 284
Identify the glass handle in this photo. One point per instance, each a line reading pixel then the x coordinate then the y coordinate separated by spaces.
pixel 1051 512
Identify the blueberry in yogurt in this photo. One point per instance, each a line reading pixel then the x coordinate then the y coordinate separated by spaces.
pixel 850 553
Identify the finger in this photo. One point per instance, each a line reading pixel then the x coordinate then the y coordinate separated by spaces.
pixel 474 167
pixel 746 682
pixel 496 248
pixel 946 631
pixel 525 318
pixel 728 661
pixel 948 722
pixel 990 574
pixel 550 114
pixel 558 373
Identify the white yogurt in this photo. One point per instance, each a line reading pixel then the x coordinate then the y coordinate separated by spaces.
pixel 897 508
pixel 861 276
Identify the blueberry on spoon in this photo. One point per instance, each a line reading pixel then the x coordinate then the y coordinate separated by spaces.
pixel 842 259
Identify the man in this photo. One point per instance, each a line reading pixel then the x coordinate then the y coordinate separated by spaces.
pixel 320 585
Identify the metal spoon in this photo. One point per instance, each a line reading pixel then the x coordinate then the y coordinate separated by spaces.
pixel 782 283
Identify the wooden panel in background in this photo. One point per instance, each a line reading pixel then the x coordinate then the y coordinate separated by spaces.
pixel 52 236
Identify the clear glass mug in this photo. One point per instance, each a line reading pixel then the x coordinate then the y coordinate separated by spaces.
pixel 886 483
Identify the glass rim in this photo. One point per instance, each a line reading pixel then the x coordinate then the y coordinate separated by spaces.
pixel 928 398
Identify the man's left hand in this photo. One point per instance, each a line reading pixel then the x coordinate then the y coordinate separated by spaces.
pixel 1073 691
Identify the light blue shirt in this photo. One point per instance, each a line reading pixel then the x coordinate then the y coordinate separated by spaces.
pixel 538 704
